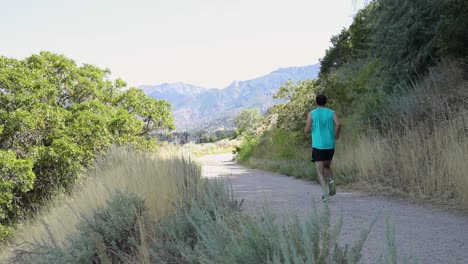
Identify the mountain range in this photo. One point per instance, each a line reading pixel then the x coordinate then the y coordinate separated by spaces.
pixel 198 108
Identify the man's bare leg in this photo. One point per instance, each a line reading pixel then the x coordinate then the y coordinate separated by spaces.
pixel 321 176
pixel 328 173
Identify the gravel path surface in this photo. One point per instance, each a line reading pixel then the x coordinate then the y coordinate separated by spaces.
pixel 431 235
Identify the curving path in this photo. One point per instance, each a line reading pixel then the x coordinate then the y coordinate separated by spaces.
pixel 431 235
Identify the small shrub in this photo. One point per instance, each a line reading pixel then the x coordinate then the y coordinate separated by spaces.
pixel 110 235
pixel 282 151
pixel 247 148
pixel 6 233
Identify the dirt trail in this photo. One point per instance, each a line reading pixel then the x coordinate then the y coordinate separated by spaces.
pixel 431 235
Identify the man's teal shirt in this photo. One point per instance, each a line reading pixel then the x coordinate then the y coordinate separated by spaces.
pixel 323 128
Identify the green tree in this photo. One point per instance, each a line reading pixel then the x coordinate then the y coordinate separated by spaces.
pixel 409 36
pixel 55 117
pixel 351 44
pixel 248 120
pixel 388 45
pixel 299 98
pixel 155 114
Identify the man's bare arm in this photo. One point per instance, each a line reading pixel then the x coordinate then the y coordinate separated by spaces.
pixel 337 126
pixel 308 125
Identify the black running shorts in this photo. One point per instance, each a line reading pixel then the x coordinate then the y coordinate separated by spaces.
pixel 322 154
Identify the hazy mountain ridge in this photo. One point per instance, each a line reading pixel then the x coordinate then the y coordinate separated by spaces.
pixel 176 93
pixel 196 107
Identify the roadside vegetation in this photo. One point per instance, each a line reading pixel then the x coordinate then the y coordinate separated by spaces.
pixel 217 147
pixel 83 180
pixel 123 184
pixel 398 79
pixel 55 118
pixel 155 208
pixel 423 152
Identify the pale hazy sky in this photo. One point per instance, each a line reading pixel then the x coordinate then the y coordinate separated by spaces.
pixel 205 42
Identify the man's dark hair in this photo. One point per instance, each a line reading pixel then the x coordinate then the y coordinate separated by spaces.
pixel 321 100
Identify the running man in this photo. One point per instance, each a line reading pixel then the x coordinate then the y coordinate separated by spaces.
pixel 325 130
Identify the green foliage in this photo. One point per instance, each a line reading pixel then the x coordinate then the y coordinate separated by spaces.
pixel 409 36
pixel 435 98
pixel 247 120
pixel 292 115
pixel 56 167
pixel 279 150
pixel 212 138
pixel 396 68
pixel 57 116
pixel 338 54
pixel 387 46
pixel 347 85
pixel 16 179
pixel 110 235
pixel 247 148
pixel 6 233
pixel 273 142
pixel 452 29
pixel 156 115
pixel 350 44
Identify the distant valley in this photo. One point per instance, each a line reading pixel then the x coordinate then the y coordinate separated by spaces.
pixel 198 108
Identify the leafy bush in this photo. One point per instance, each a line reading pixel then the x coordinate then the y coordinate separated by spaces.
pixel 247 121
pixel 274 144
pixel 55 118
pixel 17 178
pixel 247 148
pixel 388 45
pixel 401 38
pixel 409 36
pixel 6 233
pixel 279 150
pixel 298 96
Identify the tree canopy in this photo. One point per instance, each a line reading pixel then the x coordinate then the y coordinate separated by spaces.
pixel 389 44
pixel 247 120
pixel 55 117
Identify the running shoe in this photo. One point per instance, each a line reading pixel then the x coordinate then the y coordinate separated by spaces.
pixel 325 198
pixel 331 187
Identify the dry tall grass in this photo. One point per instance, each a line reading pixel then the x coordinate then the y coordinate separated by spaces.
pixel 425 150
pixel 163 180
pixel 426 162
pixel 222 146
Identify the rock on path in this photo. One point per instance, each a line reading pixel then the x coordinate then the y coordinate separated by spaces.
pixel 431 235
